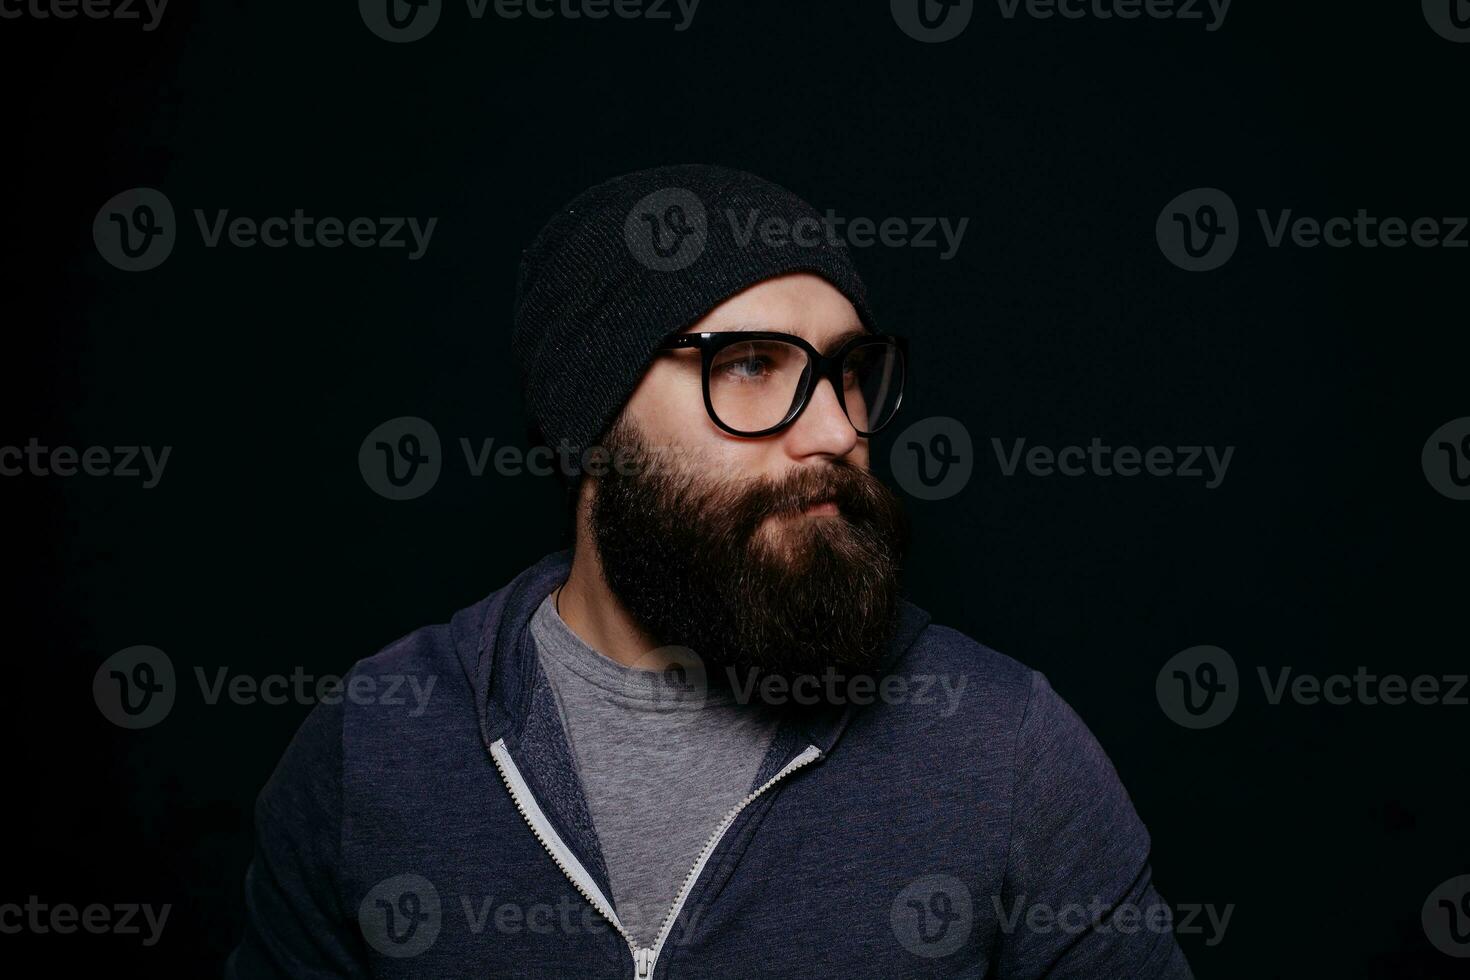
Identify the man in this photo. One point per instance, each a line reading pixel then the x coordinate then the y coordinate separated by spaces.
pixel 713 740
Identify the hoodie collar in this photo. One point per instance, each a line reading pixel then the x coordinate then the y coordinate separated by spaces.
pixel 496 650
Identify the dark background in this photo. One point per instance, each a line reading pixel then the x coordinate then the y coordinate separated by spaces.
pixel 262 549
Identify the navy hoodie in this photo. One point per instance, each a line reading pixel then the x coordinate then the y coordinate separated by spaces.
pixel 955 820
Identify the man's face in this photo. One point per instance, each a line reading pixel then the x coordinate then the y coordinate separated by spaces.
pixel 779 553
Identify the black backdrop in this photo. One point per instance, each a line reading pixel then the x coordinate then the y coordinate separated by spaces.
pixel 263 550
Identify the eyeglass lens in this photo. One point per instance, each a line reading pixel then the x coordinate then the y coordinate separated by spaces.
pixel 755 384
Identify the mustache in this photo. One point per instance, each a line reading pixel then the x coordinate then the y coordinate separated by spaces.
pixel 857 493
pixel 805 487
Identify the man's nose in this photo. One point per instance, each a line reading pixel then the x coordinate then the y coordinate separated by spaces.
pixel 822 429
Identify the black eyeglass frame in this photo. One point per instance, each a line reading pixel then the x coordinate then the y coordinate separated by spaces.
pixel 819 366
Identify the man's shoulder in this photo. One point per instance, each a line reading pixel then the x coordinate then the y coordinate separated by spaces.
pixel 450 651
pixel 431 645
pixel 407 680
pixel 944 649
pixel 424 681
pixel 983 691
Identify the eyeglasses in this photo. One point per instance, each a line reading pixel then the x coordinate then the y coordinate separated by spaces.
pixel 756 383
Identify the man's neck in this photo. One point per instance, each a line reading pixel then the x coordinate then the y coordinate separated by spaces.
pixel 593 612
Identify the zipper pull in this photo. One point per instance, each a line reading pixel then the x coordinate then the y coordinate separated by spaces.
pixel 643 963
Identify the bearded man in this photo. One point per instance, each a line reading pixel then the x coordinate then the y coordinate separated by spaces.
pixel 712 739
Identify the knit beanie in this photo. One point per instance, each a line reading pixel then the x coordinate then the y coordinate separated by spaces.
pixel 637 258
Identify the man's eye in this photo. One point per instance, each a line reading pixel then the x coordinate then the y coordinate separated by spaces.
pixel 745 368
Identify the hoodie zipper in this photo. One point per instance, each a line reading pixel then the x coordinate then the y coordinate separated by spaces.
pixel 643 959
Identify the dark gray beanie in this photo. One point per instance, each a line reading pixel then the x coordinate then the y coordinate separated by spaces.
pixel 637 258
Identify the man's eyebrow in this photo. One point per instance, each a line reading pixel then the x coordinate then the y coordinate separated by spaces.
pixel 843 338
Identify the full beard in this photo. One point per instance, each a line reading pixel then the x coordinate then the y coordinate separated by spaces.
pixel 734 571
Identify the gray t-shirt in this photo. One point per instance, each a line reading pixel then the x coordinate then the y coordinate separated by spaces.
pixel 661 764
